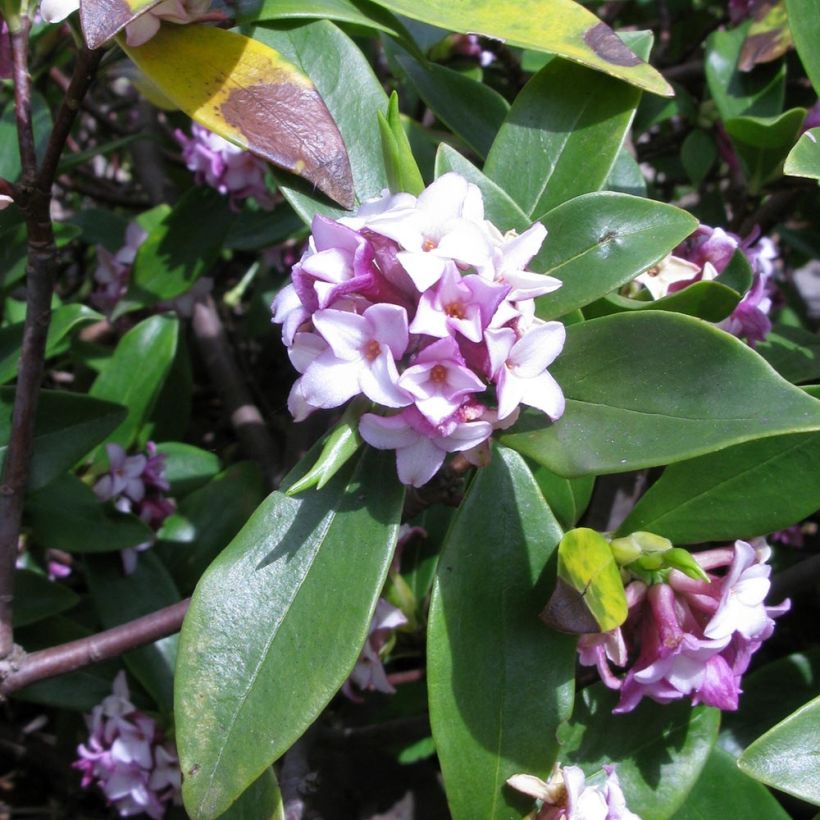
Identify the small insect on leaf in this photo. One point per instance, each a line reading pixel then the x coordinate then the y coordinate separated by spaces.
pixel 249 94
pixel 589 594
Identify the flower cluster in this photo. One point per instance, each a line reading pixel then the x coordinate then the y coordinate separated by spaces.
pixel 421 305
pixel 703 257
pixel 140 30
pixel 229 169
pixel 114 269
pixel 693 638
pixel 566 795
pixel 136 484
pixel 128 758
pixel 368 675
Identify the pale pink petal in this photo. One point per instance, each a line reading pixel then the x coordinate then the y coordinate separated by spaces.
pixel 330 382
pixel 379 382
pixel 346 333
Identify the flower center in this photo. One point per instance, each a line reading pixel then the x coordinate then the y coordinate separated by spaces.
pixel 438 374
pixel 372 350
pixel 429 245
pixel 455 310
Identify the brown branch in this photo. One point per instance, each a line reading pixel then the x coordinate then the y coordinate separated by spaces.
pixel 245 416
pixel 59 660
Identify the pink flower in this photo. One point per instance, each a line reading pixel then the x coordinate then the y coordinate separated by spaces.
pixel 114 270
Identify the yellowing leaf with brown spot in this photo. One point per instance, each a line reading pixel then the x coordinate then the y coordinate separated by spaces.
pixel 252 96
pixel 559 27
pixel 102 19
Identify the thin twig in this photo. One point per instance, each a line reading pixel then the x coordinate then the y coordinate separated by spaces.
pixel 67 657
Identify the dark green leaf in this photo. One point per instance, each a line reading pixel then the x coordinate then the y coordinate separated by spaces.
pixel 648 388
pixel 698 154
pixel 66 515
pixel 10 155
pixel 598 242
pixel 743 491
pixel 187 467
pixel 626 176
pixel 257 230
pixel 36 598
pixel 567 497
pixel 659 750
pixel 500 682
pixel 261 801
pixel 264 646
pixel 793 352
pixel 67 427
pixel 786 756
pixel 136 372
pixel 562 135
pixel 804 23
pixel 402 172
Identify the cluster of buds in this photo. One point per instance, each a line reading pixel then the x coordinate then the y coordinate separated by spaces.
pixel 703 257
pixel 421 305
pixel 368 675
pixel 566 795
pixel 692 632
pixel 136 484
pixel 126 755
pixel 114 269
pixel 231 170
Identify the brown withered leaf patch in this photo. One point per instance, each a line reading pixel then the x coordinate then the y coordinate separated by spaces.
pixel 607 45
pixel 102 19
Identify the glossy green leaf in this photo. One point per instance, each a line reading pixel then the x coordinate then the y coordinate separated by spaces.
pixel 257 230
pixel 499 207
pixel 763 143
pixel 180 249
pixel 804 159
pixel 402 171
pixel 722 790
pixel 563 27
pixel 259 100
pixel 659 750
pixel 66 428
pixel 352 93
pixel 566 497
pixel 37 598
pixel 757 93
pixel 793 352
pixel 589 593
pixel 500 682
pixel 136 372
pixel 471 110
pixel 786 756
pixel 119 598
pixel 651 387
pixel 207 519
pixel 743 491
pixel 187 467
pixel 261 801
pixel 770 694
pixel 66 515
pixel 626 176
pixel 805 25
pixel 598 242
pixel 698 154
pixel 738 274
pixel 63 321
pixel 263 648
pixel 562 135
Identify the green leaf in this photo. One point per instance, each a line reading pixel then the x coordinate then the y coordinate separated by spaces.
pixel 563 27
pixel 626 176
pixel 66 515
pixel 589 594
pixel 562 135
pixel 179 249
pixel 120 598
pixel 251 95
pixel 41 123
pixel 352 94
pixel 805 26
pixel 187 467
pixel 499 207
pixel 804 159
pixel 566 497
pixel 63 320
pixel 37 598
pixel 256 230
pixel 659 750
pixel 261 801
pixel 66 428
pixel 757 93
pixel 724 791
pixel 598 242
pixel 698 154
pixel 207 519
pixel 402 172
pixel 770 694
pixel 786 756
pixel 793 352
pixel 136 372
pixel 763 143
pixel 471 110
pixel 264 647
pixel 648 388
pixel 743 491
pixel 500 683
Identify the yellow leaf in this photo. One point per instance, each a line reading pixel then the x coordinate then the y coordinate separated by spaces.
pixel 252 96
